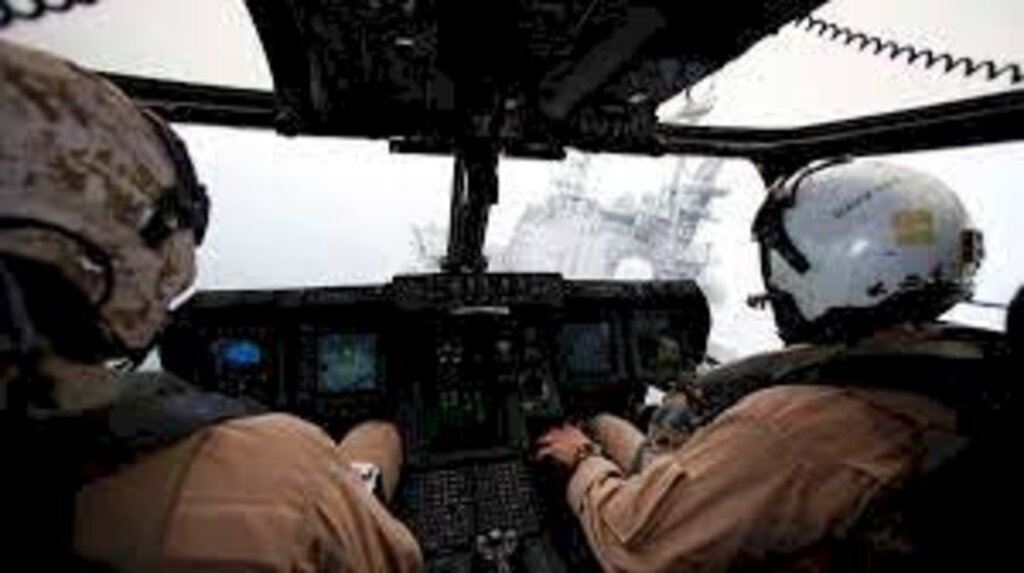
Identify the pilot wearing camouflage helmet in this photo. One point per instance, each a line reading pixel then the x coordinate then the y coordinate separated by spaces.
pixel 817 457
pixel 100 216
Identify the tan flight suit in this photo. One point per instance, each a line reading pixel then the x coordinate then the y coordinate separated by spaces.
pixel 265 493
pixel 781 470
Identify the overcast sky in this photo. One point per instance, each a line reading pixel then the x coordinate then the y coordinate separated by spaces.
pixel 303 211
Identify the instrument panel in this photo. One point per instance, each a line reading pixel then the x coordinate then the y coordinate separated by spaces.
pixel 471 367
pixel 455 343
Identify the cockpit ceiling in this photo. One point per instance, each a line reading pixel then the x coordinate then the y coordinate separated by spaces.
pixel 534 75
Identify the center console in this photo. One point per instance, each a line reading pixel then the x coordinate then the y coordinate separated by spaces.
pixel 473 368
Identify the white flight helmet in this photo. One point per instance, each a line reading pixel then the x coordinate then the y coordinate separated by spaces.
pixel 848 247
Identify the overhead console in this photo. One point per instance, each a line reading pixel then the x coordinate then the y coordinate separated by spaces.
pixel 473 368
pixel 534 75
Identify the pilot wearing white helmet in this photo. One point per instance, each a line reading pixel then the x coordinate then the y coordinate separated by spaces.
pixel 799 448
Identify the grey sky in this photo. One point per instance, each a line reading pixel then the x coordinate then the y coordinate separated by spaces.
pixel 299 212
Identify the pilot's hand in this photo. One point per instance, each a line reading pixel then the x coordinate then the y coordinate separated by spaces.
pixel 566 445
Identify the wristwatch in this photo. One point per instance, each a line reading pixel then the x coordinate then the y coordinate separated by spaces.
pixel 585 451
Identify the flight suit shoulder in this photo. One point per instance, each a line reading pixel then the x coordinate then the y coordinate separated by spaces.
pixel 238 494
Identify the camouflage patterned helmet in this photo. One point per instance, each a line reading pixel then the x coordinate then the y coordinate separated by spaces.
pixel 98 189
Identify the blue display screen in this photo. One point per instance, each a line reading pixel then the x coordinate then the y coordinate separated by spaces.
pixel 238 354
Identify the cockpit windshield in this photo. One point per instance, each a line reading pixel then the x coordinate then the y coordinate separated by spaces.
pixel 854 58
pixel 300 212
pixel 849 58
pixel 304 212
pixel 183 40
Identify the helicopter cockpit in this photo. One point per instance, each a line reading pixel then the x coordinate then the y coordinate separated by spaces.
pixel 475 365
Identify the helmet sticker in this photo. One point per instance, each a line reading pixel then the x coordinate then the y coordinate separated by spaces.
pixel 914 228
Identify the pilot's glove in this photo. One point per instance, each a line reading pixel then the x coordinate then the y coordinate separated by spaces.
pixel 566 445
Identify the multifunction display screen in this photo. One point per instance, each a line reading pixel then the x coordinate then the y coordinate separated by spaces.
pixel 347 362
